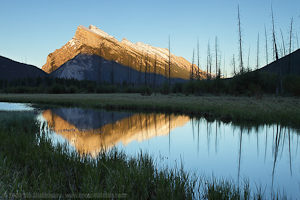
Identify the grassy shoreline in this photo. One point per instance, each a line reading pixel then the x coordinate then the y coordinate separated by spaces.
pixel 32 167
pixel 270 109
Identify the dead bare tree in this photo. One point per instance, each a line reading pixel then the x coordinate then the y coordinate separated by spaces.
pixel 257 52
pixel 112 71
pixel 297 40
pixel 154 75
pixel 198 55
pixel 240 42
pixel 219 65
pixel 192 67
pixel 140 71
pixel 266 37
pixel 290 46
pixel 233 65
pixel 291 35
pixel 100 54
pixel 279 79
pixel 169 61
pixel 283 46
pixel 273 34
pixel 273 37
pixel 208 62
pixel 165 72
pixel 224 71
pixel 128 64
pixel 216 52
pixel 130 68
pixel 146 69
pixel 158 79
pixel 248 66
pixel 149 71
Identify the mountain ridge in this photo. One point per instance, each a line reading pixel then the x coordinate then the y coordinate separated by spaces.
pixel 139 56
pixel 10 69
pixel 288 64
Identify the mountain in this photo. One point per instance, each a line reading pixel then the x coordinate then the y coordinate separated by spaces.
pixel 289 64
pixel 92 44
pixel 10 70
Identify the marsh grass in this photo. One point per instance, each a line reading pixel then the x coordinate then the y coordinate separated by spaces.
pixel 269 109
pixel 31 164
pixel 221 188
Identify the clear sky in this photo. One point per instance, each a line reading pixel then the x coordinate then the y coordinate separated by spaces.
pixel 31 29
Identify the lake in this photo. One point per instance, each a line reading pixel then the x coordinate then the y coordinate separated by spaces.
pixel 266 155
pixel 4 106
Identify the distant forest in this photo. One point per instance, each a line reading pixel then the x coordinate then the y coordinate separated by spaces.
pixel 254 83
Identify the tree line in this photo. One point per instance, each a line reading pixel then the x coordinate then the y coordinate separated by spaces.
pixel 255 83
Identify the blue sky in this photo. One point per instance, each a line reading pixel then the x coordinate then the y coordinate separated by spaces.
pixel 32 29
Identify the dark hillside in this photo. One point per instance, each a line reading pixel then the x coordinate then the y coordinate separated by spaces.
pixel 10 70
pixel 289 65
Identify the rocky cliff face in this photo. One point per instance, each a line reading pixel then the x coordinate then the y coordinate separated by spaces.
pixel 139 56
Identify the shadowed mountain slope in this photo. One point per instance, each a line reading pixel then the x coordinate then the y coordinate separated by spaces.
pixel 10 70
pixel 95 68
pixel 289 64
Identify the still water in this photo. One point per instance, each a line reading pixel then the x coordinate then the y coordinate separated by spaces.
pixel 267 155
pixel 4 106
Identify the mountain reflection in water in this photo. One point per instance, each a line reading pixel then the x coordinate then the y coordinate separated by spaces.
pixel 89 131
